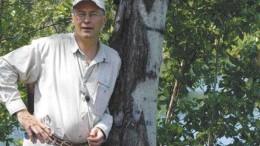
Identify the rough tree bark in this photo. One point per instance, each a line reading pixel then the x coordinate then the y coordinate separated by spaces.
pixel 138 37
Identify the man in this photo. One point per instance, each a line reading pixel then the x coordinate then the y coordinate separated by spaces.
pixel 74 76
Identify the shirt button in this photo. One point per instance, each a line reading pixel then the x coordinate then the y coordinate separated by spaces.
pixel 87 98
pixel 85 63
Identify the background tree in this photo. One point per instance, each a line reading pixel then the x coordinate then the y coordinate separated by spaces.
pixel 210 46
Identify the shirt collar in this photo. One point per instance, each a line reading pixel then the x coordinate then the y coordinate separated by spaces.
pixel 101 55
pixel 74 45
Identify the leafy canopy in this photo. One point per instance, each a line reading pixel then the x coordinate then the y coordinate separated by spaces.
pixel 210 71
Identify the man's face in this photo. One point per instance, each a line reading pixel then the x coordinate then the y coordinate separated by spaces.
pixel 88 20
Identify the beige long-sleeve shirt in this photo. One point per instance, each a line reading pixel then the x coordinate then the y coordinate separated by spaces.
pixel 63 80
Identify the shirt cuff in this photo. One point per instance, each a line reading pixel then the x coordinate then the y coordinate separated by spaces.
pixel 105 126
pixel 15 106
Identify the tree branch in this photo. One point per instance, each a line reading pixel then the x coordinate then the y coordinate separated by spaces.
pixel 31 31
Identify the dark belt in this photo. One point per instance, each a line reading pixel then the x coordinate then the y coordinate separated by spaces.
pixel 60 142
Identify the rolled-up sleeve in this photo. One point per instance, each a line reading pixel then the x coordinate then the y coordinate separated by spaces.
pixel 9 93
pixel 19 65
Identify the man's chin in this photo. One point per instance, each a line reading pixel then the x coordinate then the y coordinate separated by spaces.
pixel 86 35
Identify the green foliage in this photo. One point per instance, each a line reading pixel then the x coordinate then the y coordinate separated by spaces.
pixel 211 46
pixel 6 127
pixel 22 21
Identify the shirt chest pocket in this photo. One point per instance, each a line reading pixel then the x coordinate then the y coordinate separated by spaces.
pixel 97 87
pixel 99 83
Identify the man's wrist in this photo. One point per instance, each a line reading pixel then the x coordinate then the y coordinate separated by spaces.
pixel 21 112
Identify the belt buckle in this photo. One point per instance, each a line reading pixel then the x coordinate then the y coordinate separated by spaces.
pixel 58 142
pixel 52 140
pixel 66 143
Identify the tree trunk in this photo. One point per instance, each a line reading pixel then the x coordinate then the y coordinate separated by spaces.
pixel 138 37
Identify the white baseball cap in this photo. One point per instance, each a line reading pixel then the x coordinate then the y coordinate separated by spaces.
pixel 99 3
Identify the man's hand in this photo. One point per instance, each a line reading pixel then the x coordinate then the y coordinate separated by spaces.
pixel 96 137
pixel 33 127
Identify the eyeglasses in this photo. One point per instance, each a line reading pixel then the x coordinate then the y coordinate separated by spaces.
pixel 84 15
